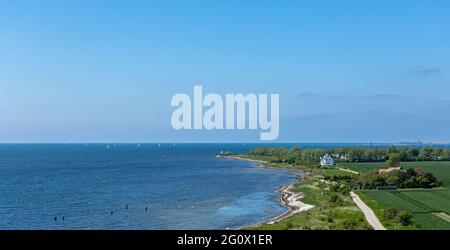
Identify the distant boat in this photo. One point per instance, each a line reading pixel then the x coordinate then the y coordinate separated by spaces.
pixel 107 146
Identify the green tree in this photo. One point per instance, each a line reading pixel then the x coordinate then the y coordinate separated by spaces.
pixel 393 160
pixel 392 179
pixel 404 217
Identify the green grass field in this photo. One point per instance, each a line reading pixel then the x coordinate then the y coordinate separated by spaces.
pixel 423 203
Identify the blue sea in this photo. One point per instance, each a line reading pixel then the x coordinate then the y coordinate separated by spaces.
pixel 183 186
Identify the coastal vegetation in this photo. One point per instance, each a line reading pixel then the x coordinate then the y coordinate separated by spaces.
pixel 420 177
pixel 333 207
pixel 409 178
pixel 298 156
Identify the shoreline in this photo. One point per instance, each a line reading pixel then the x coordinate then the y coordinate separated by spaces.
pixel 288 199
pixel 259 162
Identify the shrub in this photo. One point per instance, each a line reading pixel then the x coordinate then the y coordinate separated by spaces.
pixel 390 213
pixel 349 224
pixel 334 198
pixel 330 219
pixel 334 187
pixel 404 217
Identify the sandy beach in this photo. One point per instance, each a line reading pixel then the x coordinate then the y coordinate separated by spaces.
pixel 290 200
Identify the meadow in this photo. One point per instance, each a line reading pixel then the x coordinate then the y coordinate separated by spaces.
pixel 333 209
pixel 430 207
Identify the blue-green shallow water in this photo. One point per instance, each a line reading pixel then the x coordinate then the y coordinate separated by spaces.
pixel 184 187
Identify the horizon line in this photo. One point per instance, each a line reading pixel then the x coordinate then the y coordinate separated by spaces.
pixel 262 142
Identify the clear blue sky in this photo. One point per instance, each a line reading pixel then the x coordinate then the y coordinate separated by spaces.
pixel 346 71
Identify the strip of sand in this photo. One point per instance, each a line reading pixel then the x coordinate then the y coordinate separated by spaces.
pixel 259 162
pixel 289 199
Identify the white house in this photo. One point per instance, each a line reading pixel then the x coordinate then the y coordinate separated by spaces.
pixel 326 161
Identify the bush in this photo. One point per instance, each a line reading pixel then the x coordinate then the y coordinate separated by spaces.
pixel 334 198
pixel 404 217
pixel 330 219
pixel 334 187
pixel 350 224
pixel 390 213
pixel 345 189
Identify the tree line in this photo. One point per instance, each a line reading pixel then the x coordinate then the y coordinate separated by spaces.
pixel 409 178
pixel 352 154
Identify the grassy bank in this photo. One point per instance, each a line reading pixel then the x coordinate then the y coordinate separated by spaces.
pixel 334 208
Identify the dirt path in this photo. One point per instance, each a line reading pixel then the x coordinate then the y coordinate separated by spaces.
pixel 443 216
pixel 348 170
pixel 368 213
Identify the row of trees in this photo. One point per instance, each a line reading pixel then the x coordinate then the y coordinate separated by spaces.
pixel 411 178
pixel 291 156
pixel 353 154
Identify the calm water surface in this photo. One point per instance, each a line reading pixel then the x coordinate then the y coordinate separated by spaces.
pixel 183 186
